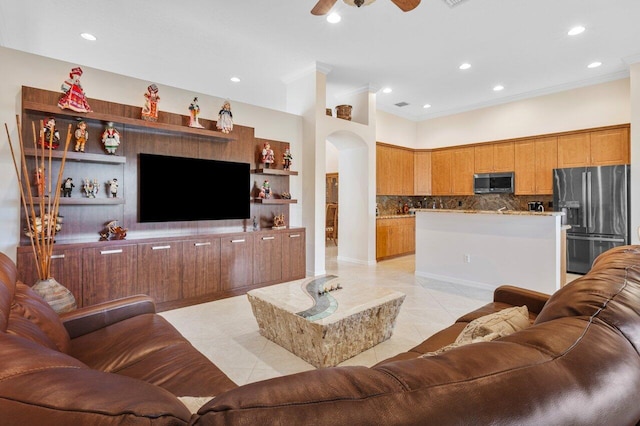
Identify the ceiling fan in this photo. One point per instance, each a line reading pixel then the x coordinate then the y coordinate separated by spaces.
pixel 324 6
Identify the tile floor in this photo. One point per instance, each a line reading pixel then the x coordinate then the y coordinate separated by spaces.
pixel 226 331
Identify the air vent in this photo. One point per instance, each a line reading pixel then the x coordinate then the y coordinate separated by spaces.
pixel 452 3
pixel 401 104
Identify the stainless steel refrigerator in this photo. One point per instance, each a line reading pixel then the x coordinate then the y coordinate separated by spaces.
pixel 596 204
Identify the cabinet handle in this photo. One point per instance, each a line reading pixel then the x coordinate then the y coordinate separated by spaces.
pixel 294 236
pixel 160 247
pixel 268 238
pixel 202 244
pixel 57 256
pixel 111 251
pixel 238 241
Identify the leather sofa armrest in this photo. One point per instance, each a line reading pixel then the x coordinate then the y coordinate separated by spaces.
pixel 91 318
pixel 517 296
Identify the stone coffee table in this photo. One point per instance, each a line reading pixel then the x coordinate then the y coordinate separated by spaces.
pixel 325 329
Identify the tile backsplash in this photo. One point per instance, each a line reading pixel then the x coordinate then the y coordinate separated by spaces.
pixel 390 205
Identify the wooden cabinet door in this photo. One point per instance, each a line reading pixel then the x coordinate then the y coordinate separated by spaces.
pixel 405 169
pixel 462 171
pixel 441 172
pixel 293 256
pixel 110 273
pixel 422 173
pixel 236 261
pixel 546 158
pixel 384 170
pixel 201 267
pixel 160 266
pixel 382 238
pixel 483 158
pixel 610 147
pixel 503 157
pixel 574 150
pixel 267 258
pixel 525 167
pixel 66 268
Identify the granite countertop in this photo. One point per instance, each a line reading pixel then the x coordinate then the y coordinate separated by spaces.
pixel 505 212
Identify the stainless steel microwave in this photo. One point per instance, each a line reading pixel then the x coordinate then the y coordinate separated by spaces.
pixel 493 183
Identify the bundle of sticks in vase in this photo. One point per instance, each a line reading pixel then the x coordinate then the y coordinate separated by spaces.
pixel 41 209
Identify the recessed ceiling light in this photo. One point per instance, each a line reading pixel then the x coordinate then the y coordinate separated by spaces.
pixel 333 18
pixel 498 88
pixel 387 90
pixel 88 36
pixel 594 64
pixel 235 79
pixel 576 30
pixel 465 66
pixel 426 106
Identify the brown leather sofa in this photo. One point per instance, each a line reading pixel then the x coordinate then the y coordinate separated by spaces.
pixel 577 364
pixel 114 363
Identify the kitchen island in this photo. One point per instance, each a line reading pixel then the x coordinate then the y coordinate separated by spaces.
pixel 491 248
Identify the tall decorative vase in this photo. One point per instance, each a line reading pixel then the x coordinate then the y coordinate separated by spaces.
pixel 56 295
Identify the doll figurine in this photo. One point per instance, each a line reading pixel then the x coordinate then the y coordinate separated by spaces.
pixel 194 110
pixel 225 118
pixel 81 134
pixel 49 135
pixel 66 187
pixel 88 188
pixel 113 187
pixel 74 98
pixel 265 190
pixel 111 138
pixel 287 159
pixel 150 108
pixel 267 155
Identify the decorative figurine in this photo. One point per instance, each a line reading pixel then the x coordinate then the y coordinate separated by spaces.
pixel 265 191
pixel 74 97
pixel 113 187
pixel 194 110
pixel 285 195
pixel 49 135
pixel 66 187
pixel 112 231
pixel 150 108
pixel 278 222
pixel 90 189
pixel 81 134
pixel 255 223
pixel 287 159
pixel 40 181
pixel 225 118
pixel 267 155
pixel 111 138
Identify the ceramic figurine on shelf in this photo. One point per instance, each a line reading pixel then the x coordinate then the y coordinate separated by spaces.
pixel 40 181
pixel 278 222
pixel 94 188
pixel 194 111
pixel 111 138
pixel 88 188
pixel 255 223
pixel 150 108
pixel 225 118
pixel 265 190
pixel 81 134
pixel 113 187
pixel 74 97
pixel 287 159
pixel 267 155
pixel 49 135
pixel 66 187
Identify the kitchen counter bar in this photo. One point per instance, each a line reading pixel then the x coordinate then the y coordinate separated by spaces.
pixel 491 248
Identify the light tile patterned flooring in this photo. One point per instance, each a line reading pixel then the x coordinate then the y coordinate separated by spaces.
pixel 227 333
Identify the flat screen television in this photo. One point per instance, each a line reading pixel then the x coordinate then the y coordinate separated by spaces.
pixel 187 189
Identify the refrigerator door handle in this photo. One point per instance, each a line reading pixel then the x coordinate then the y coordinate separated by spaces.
pixel 589 215
pixel 608 239
pixel 585 206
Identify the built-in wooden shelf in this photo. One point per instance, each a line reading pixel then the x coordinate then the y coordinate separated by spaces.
pixel 98 116
pixel 274 201
pixel 83 201
pixel 274 172
pixel 76 156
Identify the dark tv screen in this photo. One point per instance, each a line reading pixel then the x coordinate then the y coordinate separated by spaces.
pixel 187 189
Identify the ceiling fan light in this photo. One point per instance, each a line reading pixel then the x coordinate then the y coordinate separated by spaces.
pixel 359 3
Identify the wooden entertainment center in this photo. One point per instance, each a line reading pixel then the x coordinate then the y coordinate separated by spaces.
pixel 177 263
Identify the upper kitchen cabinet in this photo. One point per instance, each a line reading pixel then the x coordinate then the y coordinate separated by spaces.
pixel 595 148
pixel 494 157
pixel 452 171
pixel 422 173
pixel 394 170
pixel 534 161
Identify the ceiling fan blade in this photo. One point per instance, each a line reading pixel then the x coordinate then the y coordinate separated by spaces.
pixel 323 7
pixel 406 5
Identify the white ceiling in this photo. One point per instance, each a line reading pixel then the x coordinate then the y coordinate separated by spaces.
pixel 198 45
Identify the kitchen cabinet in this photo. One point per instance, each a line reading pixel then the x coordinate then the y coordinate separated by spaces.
pixel 159 265
pixel 422 173
pixel 595 148
pixel 535 160
pixel 441 172
pixel 395 237
pixel 494 157
pixel 394 170
pixel 462 171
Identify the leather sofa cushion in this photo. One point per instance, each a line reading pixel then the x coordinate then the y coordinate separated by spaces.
pixel 7 287
pixel 33 318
